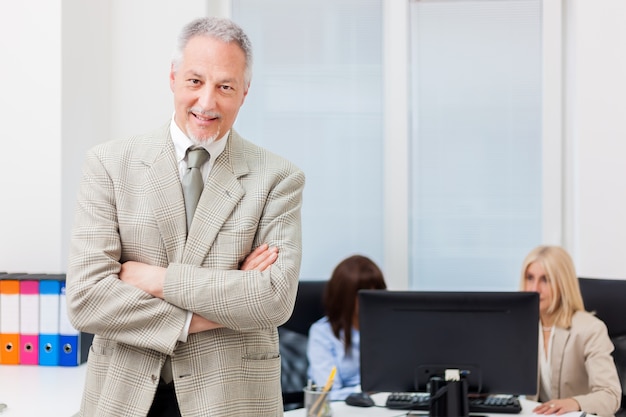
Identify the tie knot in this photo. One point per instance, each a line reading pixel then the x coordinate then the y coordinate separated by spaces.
pixel 196 157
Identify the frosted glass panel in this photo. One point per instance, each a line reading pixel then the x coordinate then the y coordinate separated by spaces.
pixel 316 98
pixel 476 142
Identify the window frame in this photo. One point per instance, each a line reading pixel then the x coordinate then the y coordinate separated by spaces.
pixel 397 135
pixel 396 171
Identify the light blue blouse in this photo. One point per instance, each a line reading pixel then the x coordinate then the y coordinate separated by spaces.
pixel 324 351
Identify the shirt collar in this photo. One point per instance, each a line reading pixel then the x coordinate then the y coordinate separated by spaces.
pixel 182 143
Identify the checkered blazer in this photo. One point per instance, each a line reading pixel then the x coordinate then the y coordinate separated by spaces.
pixel 130 207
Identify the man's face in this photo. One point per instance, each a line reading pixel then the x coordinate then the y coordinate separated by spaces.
pixel 209 88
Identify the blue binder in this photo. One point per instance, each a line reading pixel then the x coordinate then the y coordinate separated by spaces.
pixel 49 339
pixel 68 335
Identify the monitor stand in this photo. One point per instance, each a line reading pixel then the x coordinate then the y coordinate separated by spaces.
pixel 448 398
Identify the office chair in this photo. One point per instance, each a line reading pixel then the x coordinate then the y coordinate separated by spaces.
pixel 606 298
pixel 293 337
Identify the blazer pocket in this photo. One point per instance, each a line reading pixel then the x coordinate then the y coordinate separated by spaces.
pixel 102 347
pixel 261 378
pixel 262 367
pixel 235 239
pixel 261 356
pixel 99 360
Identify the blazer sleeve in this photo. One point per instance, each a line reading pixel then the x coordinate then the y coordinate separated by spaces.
pixel 98 302
pixel 605 390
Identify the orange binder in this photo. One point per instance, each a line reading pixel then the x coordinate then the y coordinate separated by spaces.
pixel 9 321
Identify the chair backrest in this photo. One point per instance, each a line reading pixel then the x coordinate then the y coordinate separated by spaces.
pixel 308 308
pixel 293 337
pixel 607 298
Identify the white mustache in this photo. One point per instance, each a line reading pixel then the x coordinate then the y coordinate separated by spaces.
pixel 205 113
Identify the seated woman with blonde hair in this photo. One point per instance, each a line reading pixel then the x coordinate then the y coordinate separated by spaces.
pixel 576 369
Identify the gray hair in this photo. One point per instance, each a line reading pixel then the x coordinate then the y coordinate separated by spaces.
pixel 215 27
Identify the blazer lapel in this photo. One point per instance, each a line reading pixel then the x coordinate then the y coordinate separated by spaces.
pixel 222 191
pixel 165 195
pixel 558 350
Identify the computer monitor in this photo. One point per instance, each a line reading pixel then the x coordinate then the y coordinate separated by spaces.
pixel 407 337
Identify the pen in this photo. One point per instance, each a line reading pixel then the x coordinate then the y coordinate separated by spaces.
pixel 320 401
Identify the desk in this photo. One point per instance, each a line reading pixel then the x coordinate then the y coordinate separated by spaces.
pixel 341 409
pixel 31 391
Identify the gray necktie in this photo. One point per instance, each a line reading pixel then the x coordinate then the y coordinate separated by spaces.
pixel 192 181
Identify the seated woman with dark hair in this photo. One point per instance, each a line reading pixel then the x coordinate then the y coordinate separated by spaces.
pixel 334 339
pixel 576 369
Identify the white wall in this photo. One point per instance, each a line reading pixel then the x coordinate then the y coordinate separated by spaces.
pixel 30 111
pixel 86 81
pixel 596 129
pixel 77 73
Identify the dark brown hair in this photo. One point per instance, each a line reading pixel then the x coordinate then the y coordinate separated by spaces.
pixel 354 273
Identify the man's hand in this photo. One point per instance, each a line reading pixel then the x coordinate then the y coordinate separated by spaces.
pixel 260 259
pixel 148 278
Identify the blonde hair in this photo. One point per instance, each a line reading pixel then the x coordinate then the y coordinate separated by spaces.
pixel 562 278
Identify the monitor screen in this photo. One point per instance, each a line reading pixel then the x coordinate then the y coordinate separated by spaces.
pixel 407 337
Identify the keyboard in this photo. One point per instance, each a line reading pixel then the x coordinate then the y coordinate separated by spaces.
pixel 505 404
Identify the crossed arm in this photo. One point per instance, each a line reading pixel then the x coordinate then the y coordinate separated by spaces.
pixel 150 278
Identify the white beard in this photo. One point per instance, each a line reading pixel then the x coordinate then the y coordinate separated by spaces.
pixel 202 141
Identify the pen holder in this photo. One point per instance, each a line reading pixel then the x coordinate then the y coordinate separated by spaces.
pixel 317 403
pixel 448 398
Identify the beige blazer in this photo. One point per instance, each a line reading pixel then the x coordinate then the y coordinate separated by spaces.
pixel 582 366
pixel 130 207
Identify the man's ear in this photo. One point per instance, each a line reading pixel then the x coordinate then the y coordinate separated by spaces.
pixel 172 77
pixel 245 93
